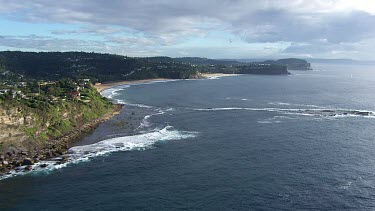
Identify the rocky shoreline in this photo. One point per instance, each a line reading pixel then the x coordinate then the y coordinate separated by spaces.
pixel 53 148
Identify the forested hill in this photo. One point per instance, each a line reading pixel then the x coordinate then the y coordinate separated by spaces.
pixel 205 61
pixel 109 67
pixel 98 67
pixel 291 63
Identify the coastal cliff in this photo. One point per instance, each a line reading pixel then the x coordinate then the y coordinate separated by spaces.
pixel 45 129
pixel 27 152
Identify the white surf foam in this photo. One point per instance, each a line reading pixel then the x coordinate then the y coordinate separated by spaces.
pixel 328 113
pixel 127 143
pixel 146 123
pixel 215 77
pixel 268 122
pixel 112 92
pixel 278 103
pixel 237 99
pixel 138 105
pixel 109 92
pixel 294 104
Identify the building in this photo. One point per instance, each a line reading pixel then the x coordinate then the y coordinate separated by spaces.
pixel 75 95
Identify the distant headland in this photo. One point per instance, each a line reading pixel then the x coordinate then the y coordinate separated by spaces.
pixel 291 63
pixel 109 67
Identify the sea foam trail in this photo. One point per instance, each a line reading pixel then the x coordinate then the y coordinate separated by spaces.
pixel 86 152
pixel 293 104
pixel 314 112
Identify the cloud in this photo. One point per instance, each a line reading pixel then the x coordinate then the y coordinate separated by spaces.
pixel 89 30
pixel 265 21
pixel 44 43
pixel 362 50
pixel 131 47
pixel 274 26
pixel 145 24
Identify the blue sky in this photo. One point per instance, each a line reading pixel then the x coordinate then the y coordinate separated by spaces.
pixel 211 28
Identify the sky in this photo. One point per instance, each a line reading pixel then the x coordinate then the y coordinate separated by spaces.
pixel 235 29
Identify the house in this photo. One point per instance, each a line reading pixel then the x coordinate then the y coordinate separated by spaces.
pixel 3 91
pixel 75 95
pixel 82 85
pixel 22 84
pixel 52 98
pixel 16 93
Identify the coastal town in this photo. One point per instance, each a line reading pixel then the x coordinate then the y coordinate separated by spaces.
pixel 30 92
pixel 39 118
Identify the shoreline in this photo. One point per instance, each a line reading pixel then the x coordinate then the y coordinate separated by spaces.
pixel 23 161
pixel 208 75
pixel 55 147
pixel 105 86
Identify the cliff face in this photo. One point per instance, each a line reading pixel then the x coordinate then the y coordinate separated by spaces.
pixel 27 127
pixel 26 144
pixel 13 128
pixel 23 129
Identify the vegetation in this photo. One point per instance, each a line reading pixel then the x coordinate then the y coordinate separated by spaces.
pixel 17 65
pixel 48 95
pixel 55 108
pixel 291 64
pixel 53 91
pixel 97 67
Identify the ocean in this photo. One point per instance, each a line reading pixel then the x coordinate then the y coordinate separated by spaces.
pixel 245 142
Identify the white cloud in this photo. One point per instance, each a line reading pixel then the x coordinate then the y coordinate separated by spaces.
pixel 154 23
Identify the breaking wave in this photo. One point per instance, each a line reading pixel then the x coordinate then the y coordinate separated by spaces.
pixel 215 77
pixel 111 93
pixel 145 122
pixel 87 152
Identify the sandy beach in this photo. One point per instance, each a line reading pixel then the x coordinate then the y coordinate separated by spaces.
pixel 104 86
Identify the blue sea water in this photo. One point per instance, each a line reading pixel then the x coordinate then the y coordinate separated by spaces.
pixel 247 142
